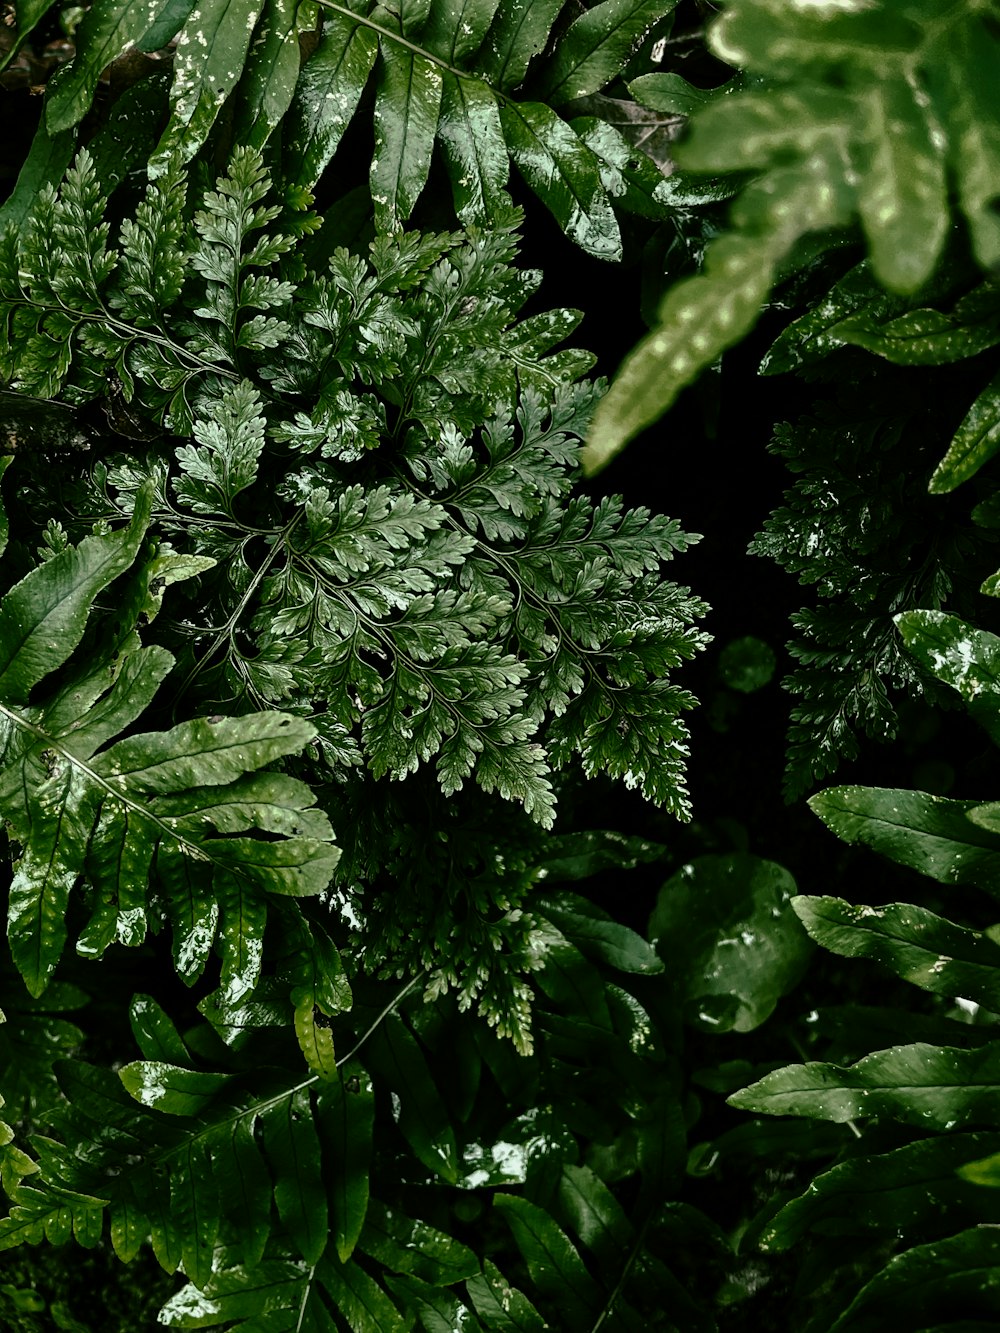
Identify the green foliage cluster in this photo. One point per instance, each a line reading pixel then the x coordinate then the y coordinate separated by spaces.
pixel 308 633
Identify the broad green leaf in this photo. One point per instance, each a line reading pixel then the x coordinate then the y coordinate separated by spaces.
pixel 932 1087
pixel 456 28
pixel 573 856
pixel 360 1300
pixel 929 337
pixel 26 14
pixel 501 1306
pixel 965 658
pixel 552 1260
pixel 105 32
pixel 171 1088
pixel 191 908
pixel 597 46
pixel 976 441
pixel 928 833
pixel 407 107
pixel 395 1055
pixel 595 1215
pixel 596 934
pixel 724 927
pixel 405 1245
pixel 155 1033
pixel 471 138
pixel 211 52
pixel 672 95
pixel 438 1311
pixel 568 979
pixel 326 97
pixel 628 175
pixel 293 1152
pixel 565 175
pixel 345 1109
pixel 917 945
pixel 931 1282
pixel 244 914
pixel 194 1207
pixel 518 33
pixel 315 1039
pixel 203 750
pixel 268 82
pixel 236 1293
pixel 42 618
pixel 244 1184
pixel 906 1189
pixel 902 194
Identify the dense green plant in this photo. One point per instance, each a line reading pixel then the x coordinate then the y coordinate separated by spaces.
pixel 444 72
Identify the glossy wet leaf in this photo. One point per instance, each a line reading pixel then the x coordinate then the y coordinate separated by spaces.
pixel 595 1214
pixel 406 1245
pixel 908 1189
pixel 396 1056
pixel 928 833
pixel 966 658
pixel 171 1088
pixel 565 175
pixel 407 107
pixel 573 856
pixel 471 138
pixel 917 945
pixel 975 442
pixel 597 46
pixel 597 935
pixel 931 1087
pixel 724 927
pixel 930 1283
pixel 293 1153
pixel 551 1258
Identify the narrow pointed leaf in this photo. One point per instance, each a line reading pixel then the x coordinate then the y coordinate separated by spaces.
pixel 518 33
pixel 345 1111
pixel 244 1185
pixel 326 97
pixel 194 1205
pixel 551 1259
pixel 363 1304
pixel 405 1245
pixel 171 1088
pixel 105 32
pixel 595 1215
pixel 932 1087
pixel 293 1152
pixel 406 118
pixel 564 174
pixel 976 441
pixel 211 52
pixel 917 945
pixel 395 1054
pixel 268 82
pixel 456 28
pixel 907 1188
pixel 597 47
pixel 930 1283
pixel 471 138
pixel 244 916
pixel 43 617
pixel 155 1033
pixel 928 833
pixel 501 1306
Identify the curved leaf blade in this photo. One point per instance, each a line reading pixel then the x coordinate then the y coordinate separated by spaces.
pixel 597 47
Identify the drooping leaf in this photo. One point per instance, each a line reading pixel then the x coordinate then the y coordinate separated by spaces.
pixel 551 1258
pixel 345 1109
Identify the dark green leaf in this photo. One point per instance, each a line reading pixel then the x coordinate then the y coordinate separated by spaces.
pixel 565 175
pixel 932 1087
pixel 345 1109
pixel 928 833
pixel 724 927
pixel 920 947
pixel 909 1188
pixel 976 441
pixel 395 1054
pixel 597 47
pixel 552 1260
pixel 293 1152
pixel 595 934
pixel 407 107
pixel 471 138
pixel 501 1306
